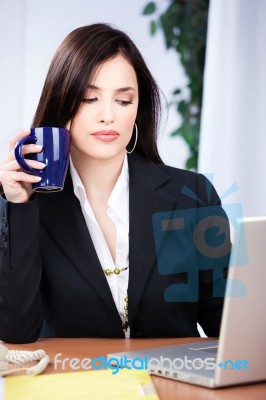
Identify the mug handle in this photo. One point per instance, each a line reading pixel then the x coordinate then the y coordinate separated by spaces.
pixel 19 156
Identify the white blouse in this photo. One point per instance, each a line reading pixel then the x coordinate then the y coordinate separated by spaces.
pixel 118 212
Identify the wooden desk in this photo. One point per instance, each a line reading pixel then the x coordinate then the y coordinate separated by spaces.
pixel 167 389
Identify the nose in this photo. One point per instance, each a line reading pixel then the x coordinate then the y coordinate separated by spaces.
pixel 106 113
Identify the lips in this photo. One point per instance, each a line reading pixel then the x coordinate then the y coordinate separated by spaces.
pixel 106 136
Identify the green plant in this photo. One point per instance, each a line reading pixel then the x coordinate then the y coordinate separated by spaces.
pixel 184 26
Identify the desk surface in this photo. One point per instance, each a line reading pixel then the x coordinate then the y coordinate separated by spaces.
pixel 166 388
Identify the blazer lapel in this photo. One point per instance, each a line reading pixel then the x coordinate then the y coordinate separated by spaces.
pixel 146 197
pixel 62 212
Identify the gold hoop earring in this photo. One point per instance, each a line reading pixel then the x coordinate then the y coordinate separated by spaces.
pixel 136 139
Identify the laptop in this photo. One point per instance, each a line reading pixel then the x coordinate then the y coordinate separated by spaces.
pixel 240 354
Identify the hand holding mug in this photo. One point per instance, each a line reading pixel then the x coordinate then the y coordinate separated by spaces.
pixel 55 144
pixel 16 184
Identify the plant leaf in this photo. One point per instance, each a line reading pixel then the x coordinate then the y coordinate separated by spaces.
pixel 184 27
pixel 153 28
pixel 192 162
pixel 149 8
pixel 176 91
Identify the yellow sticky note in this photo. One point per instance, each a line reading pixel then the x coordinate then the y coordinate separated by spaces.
pixel 96 385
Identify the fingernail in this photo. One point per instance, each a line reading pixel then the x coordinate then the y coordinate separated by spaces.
pixel 37 178
pixel 41 164
pixel 38 147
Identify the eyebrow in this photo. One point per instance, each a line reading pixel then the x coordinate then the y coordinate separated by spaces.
pixel 119 90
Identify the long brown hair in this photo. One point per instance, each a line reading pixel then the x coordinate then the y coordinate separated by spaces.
pixel 72 67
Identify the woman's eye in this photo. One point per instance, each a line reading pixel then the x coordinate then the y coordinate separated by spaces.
pixel 124 102
pixel 90 100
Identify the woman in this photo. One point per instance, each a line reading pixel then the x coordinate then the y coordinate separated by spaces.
pixel 86 262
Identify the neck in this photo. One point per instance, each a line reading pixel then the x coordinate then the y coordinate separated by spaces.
pixel 98 176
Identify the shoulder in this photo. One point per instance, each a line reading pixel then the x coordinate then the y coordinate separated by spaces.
pixel 192 184
pixel 183 184
pixel 178 175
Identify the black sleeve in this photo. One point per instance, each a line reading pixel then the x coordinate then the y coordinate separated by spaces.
pixel 213 245
pixel 21 305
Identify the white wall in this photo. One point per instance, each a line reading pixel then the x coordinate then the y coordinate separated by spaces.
pixel 30 32
pixel 233 129
pixel 11 68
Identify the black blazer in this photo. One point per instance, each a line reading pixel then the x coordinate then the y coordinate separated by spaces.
pixel 52 283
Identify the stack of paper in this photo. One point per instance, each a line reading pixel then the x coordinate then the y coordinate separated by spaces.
pixel 94 385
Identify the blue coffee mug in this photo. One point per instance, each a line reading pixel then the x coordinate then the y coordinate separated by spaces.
pixel 55 154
